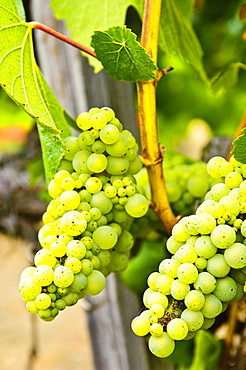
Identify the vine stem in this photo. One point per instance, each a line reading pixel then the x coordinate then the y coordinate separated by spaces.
pixel 62 37
pixel 152 153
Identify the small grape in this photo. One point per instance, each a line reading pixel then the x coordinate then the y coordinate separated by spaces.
pixel 42 301
pixel 194 300
pixel 193 319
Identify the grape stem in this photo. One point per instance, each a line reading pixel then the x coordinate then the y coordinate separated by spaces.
pixel 152 154
pixel 62 37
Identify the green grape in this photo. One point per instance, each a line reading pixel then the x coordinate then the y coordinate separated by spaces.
pixel 212 306
pixel 233 180
pixel 161 346
pixel 174 192
pixel 42 301
pixel 118 148
pixel 140 326
pixel 110 191
pixel 177 329
pixel 190 224
pixel 217 266
pixel 173 245
pixel 83 121
pixel 43 275
pixel 74 264
pixel 151 281
pixel 207 323
pixel 186 253
pixel 98 121
pixel 108 113
pixel 179 232
pixel 235 255
pixel 63 276
pixel 179 290
pixel 29 289
pixel 240 293
pixel 54 190
pixel 137 206
pixel 87 266
pixel 238 275
pixel 169 267
pixel 73 223
pixel 96 282
pixel 80 162
pixel 135 165
pixel 104 257
pixel 101 202
pixel 85 196
pixel 193 319
pixel 117 166
pixel 205 282
pixel 204 247
pixel 205 223
pixel 163 284
pixel 109 134
pixel 68 183
pixel 27 272
pixel 157 310
pixel 187 273
pixel 31 307
pixel 98 147
pixel 125 242
pixel 93 185
pixel 105 237
pixel 157 298
pixel 118 262
pixel 45 315
pixel 60 176
pixel 71 145
pixel 218 167
pixel 226 289
pixel 194 300
pixel 75 248
pixel 44 257
pixel 65 165
pixel 97 162
pixel 231 203
pixel 58 248
pixel 95 213
pixel 219 191
pixel 79 283
pixel 70 299
pixel 212 207
pixel 201 263
pixel 156 330
pixel 223 236
pixel 197 186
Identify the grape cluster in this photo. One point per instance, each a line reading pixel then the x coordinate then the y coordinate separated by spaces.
pixel 207 269
pixel 86 235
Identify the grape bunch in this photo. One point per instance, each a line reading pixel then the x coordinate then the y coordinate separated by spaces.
pixel 86 235
pixel 207 269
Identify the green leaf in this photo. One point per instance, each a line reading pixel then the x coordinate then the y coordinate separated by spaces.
pixel 206 347
pixel 228 78
pixel 83 17
pixel 122 56
pixel 20 9
pixel 177 35
pixel 239 149
pixel 21 78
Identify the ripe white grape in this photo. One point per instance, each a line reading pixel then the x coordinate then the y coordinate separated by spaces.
pixel 204 247
pixel 226 289
pixel 187 273
pixel 186 253
pixel 205 282
pixel 43 275
pixel 179 289
pixel 212 306
pixel 223 236
pixel 163 284
pixel 235 255
pixel 105 237
pixel 63 276
pixel 161 346
pixel 96 282
pixel 29 289
pixel 177 329
pixel 137 206
pixel 169 267
pixel 73 223
pixel 42 301
pixel 44 257
pixel 205 223
pixel 194 300
pixel 217 266
pixel 194 319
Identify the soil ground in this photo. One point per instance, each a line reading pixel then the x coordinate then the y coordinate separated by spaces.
pixel 63 344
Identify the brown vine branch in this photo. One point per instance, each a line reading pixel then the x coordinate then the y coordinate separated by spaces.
pixel 152 155
pixel 62 37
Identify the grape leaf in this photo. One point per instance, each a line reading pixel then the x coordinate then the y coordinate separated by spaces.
pixel 177 35
pixel 122 56
pixel 228 78
pixel 83 17
pixel 239 149
pixel 20 9
pixel 21 78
